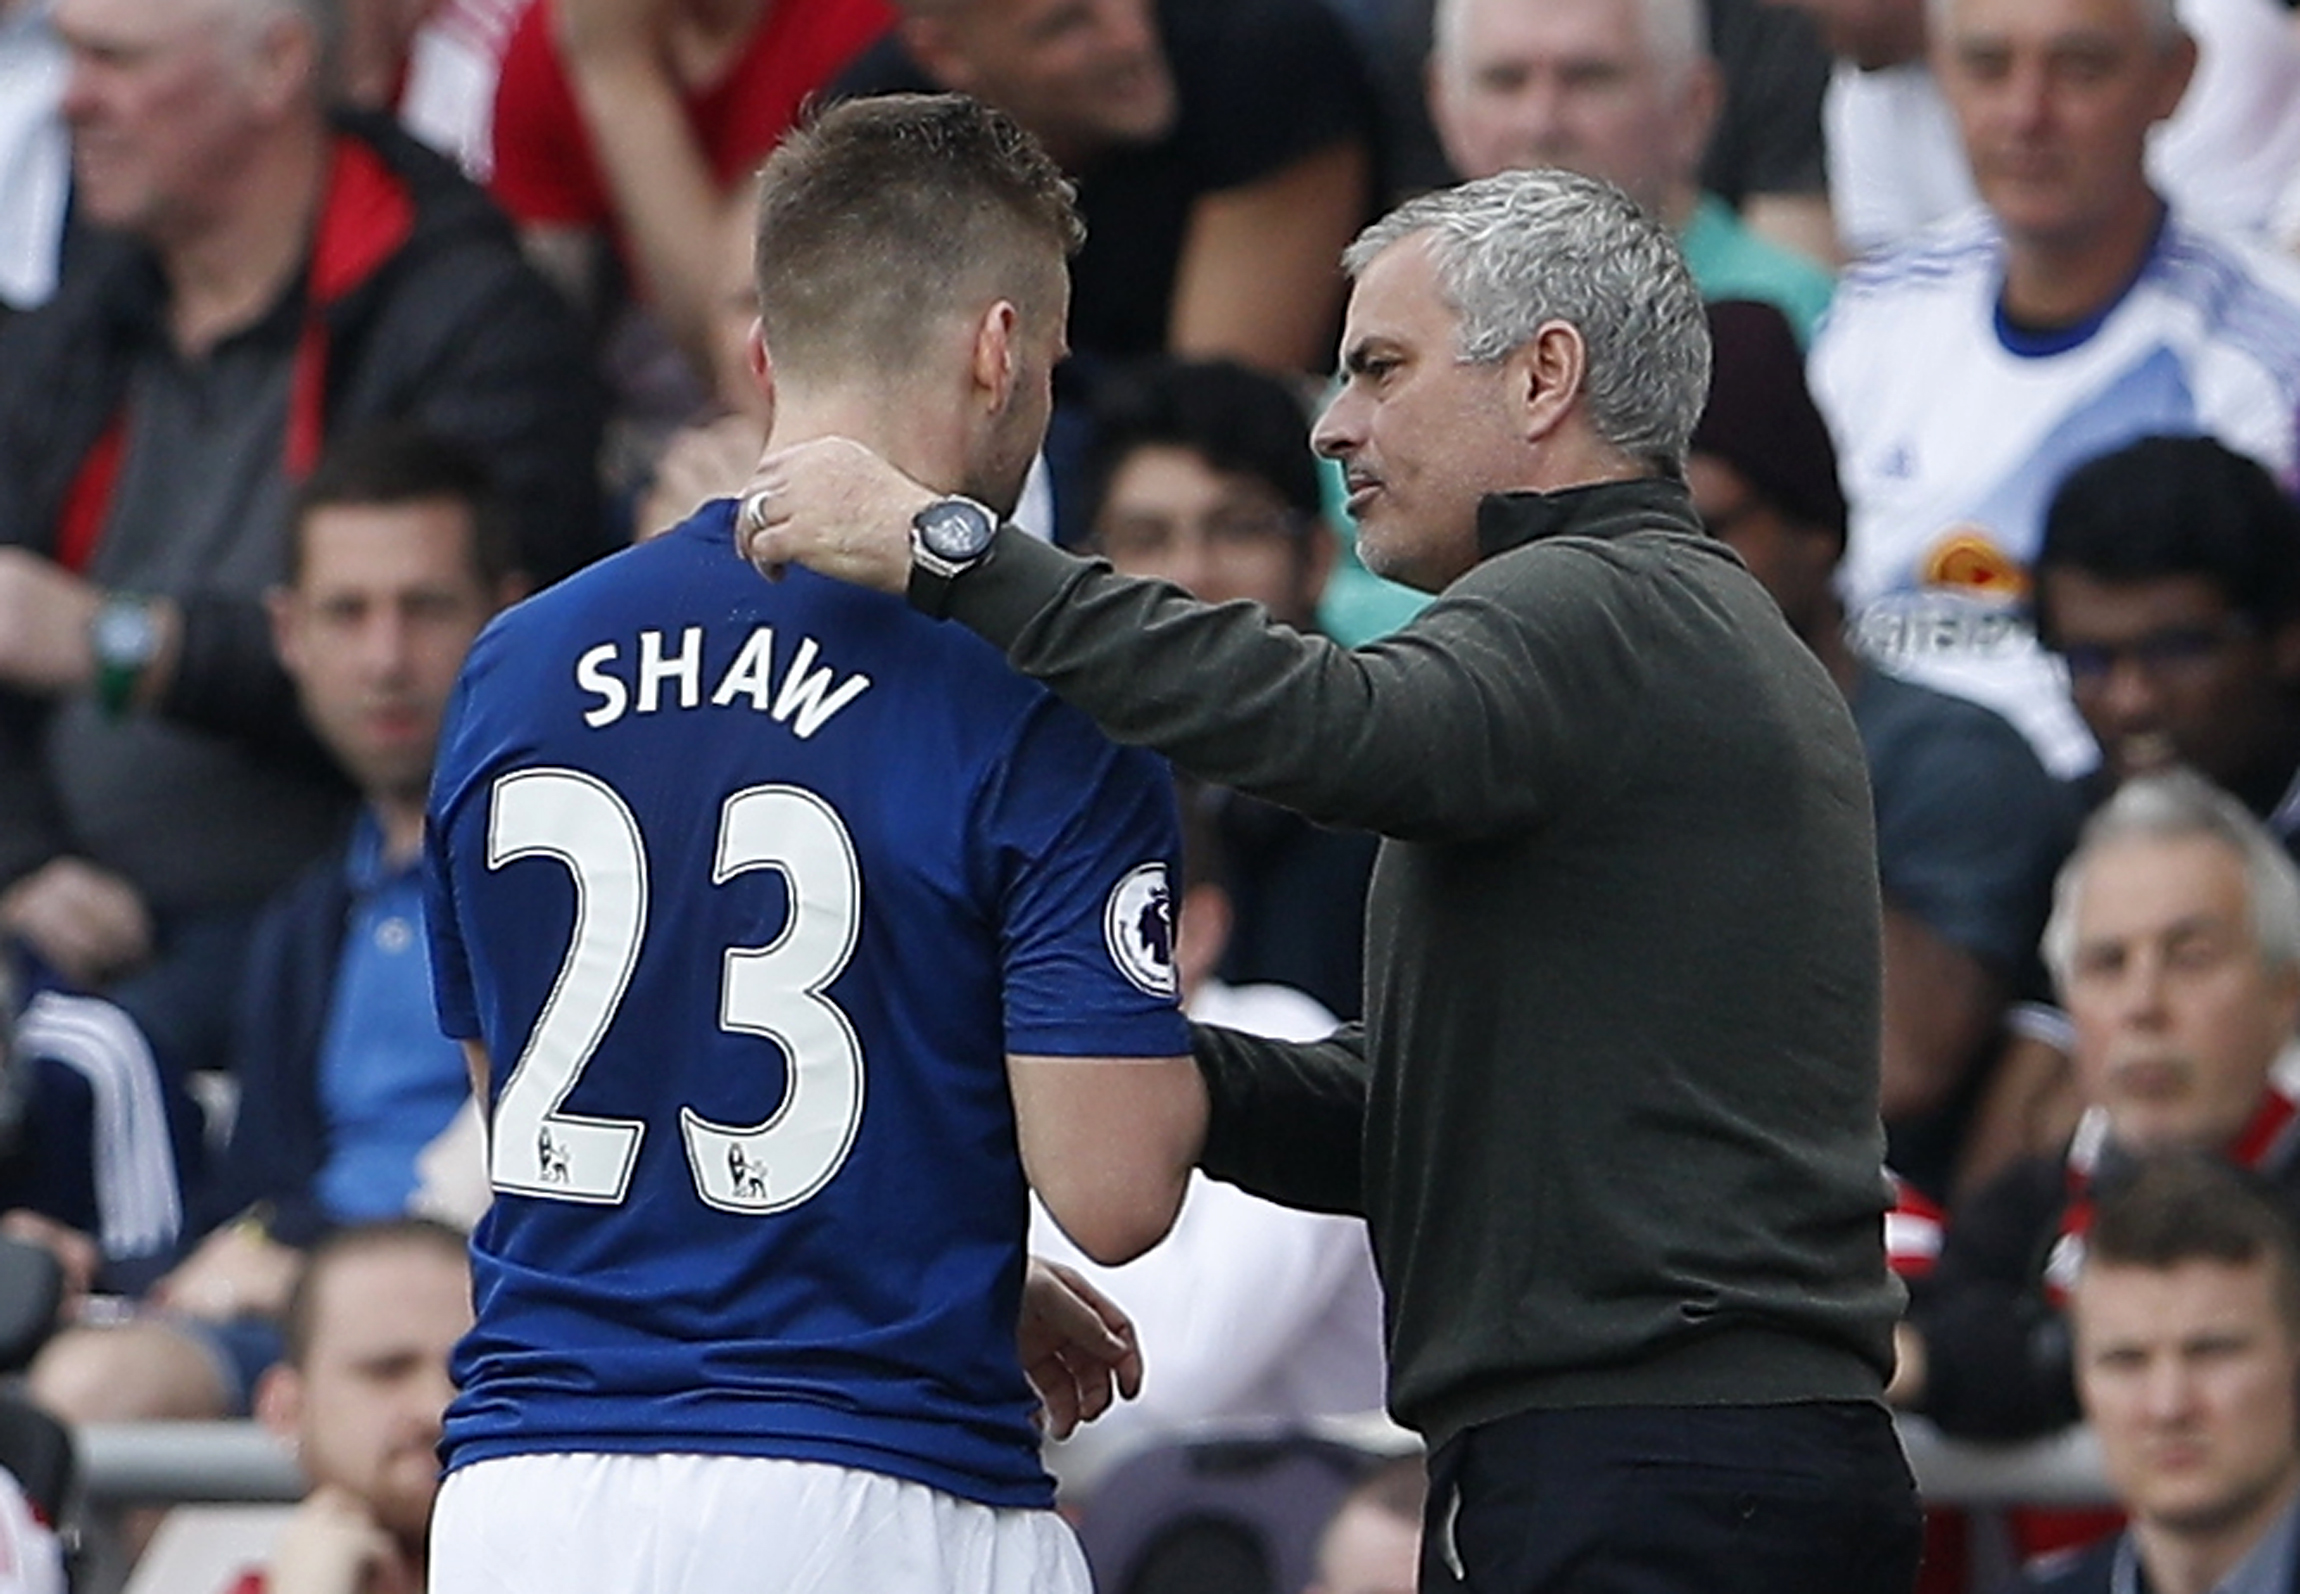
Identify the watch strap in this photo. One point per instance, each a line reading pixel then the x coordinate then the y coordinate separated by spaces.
pixel 120 666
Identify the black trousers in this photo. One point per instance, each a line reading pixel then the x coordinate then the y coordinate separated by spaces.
pixel 1798 1499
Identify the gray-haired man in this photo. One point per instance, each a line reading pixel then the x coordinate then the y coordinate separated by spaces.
pixel 1613 1114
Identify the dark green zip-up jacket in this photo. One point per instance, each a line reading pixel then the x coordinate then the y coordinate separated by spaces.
pixel 1613 1114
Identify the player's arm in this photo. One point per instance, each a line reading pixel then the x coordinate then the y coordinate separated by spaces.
pixel 1108 1144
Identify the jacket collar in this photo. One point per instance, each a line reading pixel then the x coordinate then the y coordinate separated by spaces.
pixel 1601 509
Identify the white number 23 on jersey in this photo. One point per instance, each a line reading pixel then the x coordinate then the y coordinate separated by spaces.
pixel 773 991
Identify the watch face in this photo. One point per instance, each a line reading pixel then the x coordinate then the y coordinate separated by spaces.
pixel 957 529
pixel 123 633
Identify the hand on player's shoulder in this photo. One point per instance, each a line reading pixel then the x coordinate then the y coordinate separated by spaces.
pixel 834 506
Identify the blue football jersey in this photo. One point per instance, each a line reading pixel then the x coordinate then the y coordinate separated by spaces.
pixel 750 888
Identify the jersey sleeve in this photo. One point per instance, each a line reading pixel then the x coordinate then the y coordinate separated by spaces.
pixel 1087 842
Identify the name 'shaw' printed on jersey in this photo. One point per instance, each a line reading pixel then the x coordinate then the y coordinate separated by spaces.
pixel 1138 924
pixel 804 701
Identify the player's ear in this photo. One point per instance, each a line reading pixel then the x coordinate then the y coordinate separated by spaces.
pixel 759 361
pixel 994 353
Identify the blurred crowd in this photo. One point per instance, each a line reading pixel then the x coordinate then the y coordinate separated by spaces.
pixel 328 328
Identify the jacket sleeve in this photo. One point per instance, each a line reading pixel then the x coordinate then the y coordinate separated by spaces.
pixel 1289 1117
pixel 1462 725
pixel 1997 1359
pixel 279 1138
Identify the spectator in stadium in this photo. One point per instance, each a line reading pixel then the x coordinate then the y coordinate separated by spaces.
pixel 2175 941
pixel 359 1395
pixel 2168 583
pixel 2072 313
pixel 1625 90
pixel 2186 1319
pixel 272 280
pixel 399 554
pixel 2226 157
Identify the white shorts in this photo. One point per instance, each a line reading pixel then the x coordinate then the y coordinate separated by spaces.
pixel 686 1524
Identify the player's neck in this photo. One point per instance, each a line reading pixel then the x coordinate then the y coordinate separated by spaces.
pixel 912 433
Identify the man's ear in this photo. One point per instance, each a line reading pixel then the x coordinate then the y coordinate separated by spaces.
pixel 278 1402
pixel 2179 73
pixel 759 363
pixel 994 353
pixel 287 625
pixel 284 64
pixel 1546 373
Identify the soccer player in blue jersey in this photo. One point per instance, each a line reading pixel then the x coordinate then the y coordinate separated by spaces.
pixel 789 931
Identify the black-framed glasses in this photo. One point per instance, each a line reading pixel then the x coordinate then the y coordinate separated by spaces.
pixel 2167 651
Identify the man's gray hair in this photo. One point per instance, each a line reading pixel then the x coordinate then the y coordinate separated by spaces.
pixel 2177 805
pixel 2160 17
pixel 1521 249
pixel 1675 32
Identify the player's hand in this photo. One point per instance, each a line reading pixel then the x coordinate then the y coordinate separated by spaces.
pixel 45 611
pixel 834 506
pixel 85 922
pixel 238 1271
pixel 1077 1347
pixel 331 1545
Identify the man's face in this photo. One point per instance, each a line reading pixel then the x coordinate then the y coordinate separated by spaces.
pixel 165 105
pixel 2054 99
pixel 1219 535
pixel 1082 75
pixel 2164 670
pixel 2188 1376
pixel 2177 1017
pixel 1572 84
pixel 1872 34
pixel 375 628
pixel 1421 435
pixel 366 1406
